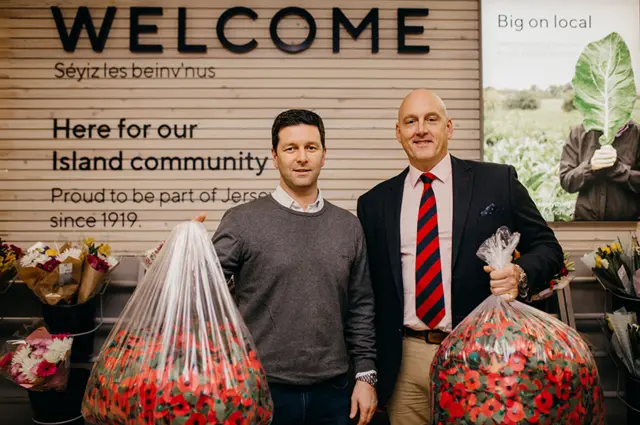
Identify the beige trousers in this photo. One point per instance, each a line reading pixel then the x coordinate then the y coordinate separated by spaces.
pixel 410 401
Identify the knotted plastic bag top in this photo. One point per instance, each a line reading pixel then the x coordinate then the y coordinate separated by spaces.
pixel 180 351
pixel 508 362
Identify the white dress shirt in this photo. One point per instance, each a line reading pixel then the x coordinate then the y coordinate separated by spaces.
pixel 284 199
pixel 412 192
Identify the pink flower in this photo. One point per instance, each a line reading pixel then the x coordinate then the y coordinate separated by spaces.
pixel 46 369
pixel 6 360
pixel 97 263
pixel 60 336
pixel 22 379
pixel 15 369
pixel 50 265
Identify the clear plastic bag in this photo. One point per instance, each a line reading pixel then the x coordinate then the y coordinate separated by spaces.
pixel 508 362
pixel 180 351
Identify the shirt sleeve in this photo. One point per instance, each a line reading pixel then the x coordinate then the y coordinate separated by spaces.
pixel 574 172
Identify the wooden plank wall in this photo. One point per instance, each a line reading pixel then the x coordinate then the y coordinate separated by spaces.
pixel 356 92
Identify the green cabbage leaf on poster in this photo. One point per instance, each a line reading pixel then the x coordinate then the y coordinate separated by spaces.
pixel 604 85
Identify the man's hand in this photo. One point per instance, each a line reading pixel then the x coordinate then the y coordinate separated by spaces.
pixel 604 157
pixel 200 217
pixel 504 282
pixel 365 400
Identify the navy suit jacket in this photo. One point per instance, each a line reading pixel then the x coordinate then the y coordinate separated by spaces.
pixel 485 197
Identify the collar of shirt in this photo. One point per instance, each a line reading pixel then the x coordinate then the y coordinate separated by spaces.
pixel 284 199
pixel 442 171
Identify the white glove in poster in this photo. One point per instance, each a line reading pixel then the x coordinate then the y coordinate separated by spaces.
pixel 561 86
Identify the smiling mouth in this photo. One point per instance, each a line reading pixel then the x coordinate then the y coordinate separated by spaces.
pixel 302 171
pixel 422 142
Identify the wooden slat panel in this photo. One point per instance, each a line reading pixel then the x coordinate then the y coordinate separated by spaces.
pixel 356 92
pixel 186 113
pixel 12 5
pixel 204 124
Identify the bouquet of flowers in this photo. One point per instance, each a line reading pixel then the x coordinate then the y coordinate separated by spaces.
pixel 39 362
pixel 559 281
pixel 624 332
pixel 180 351
pixel 98 262
pixel 617 266
pixel 510 363
pixel 9 255
pixel 53 274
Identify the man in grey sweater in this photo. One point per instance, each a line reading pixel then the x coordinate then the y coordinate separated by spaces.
pixel 302 285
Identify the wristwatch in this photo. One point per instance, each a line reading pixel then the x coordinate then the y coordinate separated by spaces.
pixel 523 283
pixel 370 378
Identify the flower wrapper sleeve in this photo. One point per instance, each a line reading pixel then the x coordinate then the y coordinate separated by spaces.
pixel 180 351
pixel 46 285
pixel 508 362
pixel 91 281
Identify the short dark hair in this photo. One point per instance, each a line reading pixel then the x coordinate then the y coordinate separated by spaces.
pixel 295 117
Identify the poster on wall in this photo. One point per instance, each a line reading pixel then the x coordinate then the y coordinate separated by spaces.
pixel 561 82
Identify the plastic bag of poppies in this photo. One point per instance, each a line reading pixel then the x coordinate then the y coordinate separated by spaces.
pixel 180 352
pixel 509 363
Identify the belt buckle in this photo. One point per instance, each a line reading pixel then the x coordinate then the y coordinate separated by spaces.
pixel 435 337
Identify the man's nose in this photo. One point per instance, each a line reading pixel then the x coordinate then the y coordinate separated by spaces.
pixel 302 155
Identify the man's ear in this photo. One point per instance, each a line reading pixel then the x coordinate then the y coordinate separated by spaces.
pixel 274 156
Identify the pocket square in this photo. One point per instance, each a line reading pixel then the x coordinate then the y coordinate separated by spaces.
pixel 488 210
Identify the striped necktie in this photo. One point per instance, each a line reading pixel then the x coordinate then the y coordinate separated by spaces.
pixel 429 291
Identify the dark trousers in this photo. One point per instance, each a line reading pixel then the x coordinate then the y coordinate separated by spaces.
pixel 327 403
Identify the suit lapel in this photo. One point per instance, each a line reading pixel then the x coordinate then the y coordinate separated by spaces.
pixel 393 205
pixel 462 190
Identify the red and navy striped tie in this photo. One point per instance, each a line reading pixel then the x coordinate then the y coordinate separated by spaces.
pixel 429 291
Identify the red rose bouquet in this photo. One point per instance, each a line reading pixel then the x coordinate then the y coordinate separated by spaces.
pixel 180 352
pixel 509 363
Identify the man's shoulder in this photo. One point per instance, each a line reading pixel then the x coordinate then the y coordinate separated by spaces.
pixel 484 169
pixel 248 209
pixel 340 215
pixel 381 189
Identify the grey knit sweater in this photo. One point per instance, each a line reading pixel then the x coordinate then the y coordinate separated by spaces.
pixel 302 286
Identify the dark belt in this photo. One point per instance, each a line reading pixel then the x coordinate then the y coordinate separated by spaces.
pixel 430 336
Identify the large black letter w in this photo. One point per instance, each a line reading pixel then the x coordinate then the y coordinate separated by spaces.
pixel 83 19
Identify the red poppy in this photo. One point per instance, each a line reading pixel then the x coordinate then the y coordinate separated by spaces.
pixel 180 406
pixel 517 362
pixel 544 401
pixel 515 411
pixel 491 407
pixel 472 379
pixel 456 410
pixel 508 386
pixel 563 391
pixel 197 419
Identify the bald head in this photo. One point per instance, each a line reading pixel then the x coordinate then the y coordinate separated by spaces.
pixel 424 128
pixel 424 97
